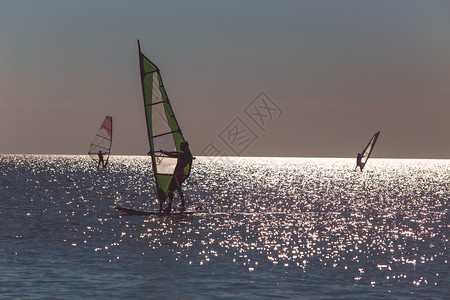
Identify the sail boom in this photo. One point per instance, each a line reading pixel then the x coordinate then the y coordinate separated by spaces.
pixel 98 146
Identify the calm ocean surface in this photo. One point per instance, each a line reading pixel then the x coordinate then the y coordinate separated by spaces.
pixel 294 228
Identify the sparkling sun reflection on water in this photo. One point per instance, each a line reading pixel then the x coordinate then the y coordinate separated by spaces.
pixel 273 227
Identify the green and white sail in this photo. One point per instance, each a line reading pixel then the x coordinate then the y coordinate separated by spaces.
pixel 365 154
pixel 163 130
pixel 102 141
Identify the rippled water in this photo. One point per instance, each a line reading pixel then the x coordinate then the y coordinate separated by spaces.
pixel 275 227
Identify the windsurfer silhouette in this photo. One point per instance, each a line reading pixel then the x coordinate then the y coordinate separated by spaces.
pixel 184 158
pixel 358 162
pixel 100 160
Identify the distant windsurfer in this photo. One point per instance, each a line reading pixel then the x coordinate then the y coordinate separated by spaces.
pixel 100 160
pixel 184 158
pixel 358 161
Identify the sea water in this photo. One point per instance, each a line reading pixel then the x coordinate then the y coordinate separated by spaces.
pixel 294 228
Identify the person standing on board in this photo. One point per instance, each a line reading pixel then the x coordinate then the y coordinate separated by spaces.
pixel 358 161
pixel 100 160
pixel 184 158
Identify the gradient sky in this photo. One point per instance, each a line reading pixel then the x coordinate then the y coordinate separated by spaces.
pixel 338 70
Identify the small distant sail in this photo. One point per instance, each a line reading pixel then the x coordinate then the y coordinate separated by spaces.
pixel 102 141
pixel 163 130
pixel 365 154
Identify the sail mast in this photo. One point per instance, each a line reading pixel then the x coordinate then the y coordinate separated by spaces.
pixel 141 68
pixel 110 141
pixel 163 130
pixel 368 149
pixel 102 140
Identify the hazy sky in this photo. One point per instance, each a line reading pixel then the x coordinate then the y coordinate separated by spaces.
pixel 333 72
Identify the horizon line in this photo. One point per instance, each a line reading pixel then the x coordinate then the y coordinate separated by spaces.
pixel 230 156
